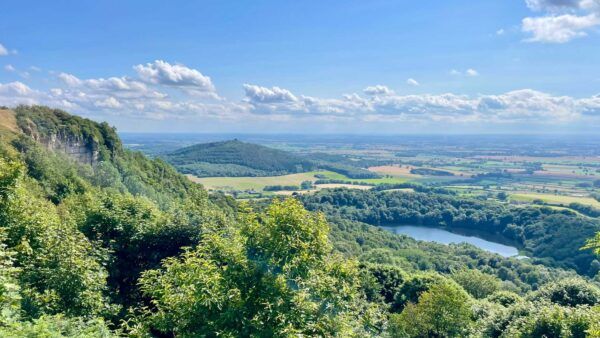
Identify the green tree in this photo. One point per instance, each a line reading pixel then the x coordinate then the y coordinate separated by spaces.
pixel 442 311
pixel 275 275
pixel 569 292
pixel 60 269
pixel 476 283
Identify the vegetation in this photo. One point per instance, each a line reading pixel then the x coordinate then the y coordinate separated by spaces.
pixel 553 236
pixel 235 158
pixel 127 246
pixel 430 172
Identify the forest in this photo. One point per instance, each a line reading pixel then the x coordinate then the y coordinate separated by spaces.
pixel 126 246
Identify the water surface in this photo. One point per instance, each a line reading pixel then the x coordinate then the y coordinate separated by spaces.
pixel 438 235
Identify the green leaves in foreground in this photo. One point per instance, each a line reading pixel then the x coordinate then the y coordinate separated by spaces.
pixel 275 276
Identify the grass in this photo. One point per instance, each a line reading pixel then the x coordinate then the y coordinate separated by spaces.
pixel 258 183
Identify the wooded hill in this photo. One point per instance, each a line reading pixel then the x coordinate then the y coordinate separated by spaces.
pixel 235 159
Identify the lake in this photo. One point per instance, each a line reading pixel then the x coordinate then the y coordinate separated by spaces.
pixel 438 235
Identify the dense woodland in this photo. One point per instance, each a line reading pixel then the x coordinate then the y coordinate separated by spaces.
pixel 129 247
pixel 236 159
pixel 552 237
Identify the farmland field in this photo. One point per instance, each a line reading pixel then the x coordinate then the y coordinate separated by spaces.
pixel 555 199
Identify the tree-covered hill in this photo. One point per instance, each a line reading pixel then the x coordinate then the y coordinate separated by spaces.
pixel 125 246
pixel 236 158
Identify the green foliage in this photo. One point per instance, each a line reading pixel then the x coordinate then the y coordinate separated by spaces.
pixel 60 270
pixel 554 235
pixel 276 276
pixel 430 172
pixel 9 287
pixel 281 188
pixel 235 158
pixel 58 326
pixel 569 292
pixel 130 243
pixel 553 321
pixel 504 298
pixel 476 283
pixel 444 310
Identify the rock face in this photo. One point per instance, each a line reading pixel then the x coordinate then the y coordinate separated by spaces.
pixel 76 149
pixel 82 139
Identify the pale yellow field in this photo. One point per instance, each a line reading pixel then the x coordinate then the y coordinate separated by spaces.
pixel 555 199
pixel 252 183
pixel 394 170
pixel 349 186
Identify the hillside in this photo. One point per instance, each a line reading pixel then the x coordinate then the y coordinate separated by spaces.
pixel 236 158
pixel 106 242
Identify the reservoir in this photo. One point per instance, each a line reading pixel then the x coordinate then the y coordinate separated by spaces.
pixel 438 235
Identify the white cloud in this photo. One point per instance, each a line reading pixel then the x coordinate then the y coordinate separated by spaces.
pixel 260 94
pixel 412 82
pixel 69 79
pixel 109 102
pixel 164 73
pixel 378 90
pixel 35 69
pixel 518 106
pixel 500 31
pixel 3 50
pixel 132 98
pixel 10 68
pixel 471 72
pixel 558 29
pixel 564 20
pixel 14 93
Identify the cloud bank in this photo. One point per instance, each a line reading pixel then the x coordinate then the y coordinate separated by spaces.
pixel 163 91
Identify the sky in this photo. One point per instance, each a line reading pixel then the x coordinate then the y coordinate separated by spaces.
pixel 365 67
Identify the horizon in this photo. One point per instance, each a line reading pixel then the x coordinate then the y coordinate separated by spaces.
pixel 382 68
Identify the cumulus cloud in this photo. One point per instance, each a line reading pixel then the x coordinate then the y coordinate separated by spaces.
pixel 378 90
pixel 3 50
pixel 564 20
pixel 558 29
pixel 164 73
pixel 134 98
pixel 14 93
pixel 260 94
pixel 515 106
pixel 10 68
pixel 412 82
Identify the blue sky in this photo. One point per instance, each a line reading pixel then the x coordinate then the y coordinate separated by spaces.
pixel 309 66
